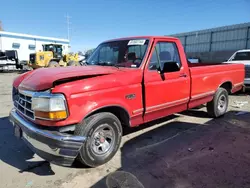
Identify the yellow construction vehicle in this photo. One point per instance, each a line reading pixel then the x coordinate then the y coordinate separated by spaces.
pixel 52 56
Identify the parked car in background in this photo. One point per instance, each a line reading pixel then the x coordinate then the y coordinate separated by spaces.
pixel 242 56
pixel 10 58
pixel 79 112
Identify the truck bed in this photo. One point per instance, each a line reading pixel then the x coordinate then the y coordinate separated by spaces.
pixel 206 77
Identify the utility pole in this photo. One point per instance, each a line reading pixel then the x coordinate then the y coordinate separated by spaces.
pixel 1 27
pixel 68 30
pixel 68 25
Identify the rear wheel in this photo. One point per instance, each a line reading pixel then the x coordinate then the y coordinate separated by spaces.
pixel 218 106
pixel 73 63
pixel 53 64
pixel 104 132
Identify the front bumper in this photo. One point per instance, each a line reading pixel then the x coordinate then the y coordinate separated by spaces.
pixel 53 146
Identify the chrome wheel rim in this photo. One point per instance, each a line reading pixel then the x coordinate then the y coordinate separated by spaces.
pixel 103 139
pixel 222 103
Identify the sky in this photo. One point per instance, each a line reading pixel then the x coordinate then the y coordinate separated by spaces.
pixel 95 21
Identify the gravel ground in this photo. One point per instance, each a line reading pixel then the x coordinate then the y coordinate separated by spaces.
pixel 184 150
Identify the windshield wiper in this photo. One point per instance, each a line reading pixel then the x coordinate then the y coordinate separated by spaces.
pixel 105 64
pixel 117 66
pixel 109 64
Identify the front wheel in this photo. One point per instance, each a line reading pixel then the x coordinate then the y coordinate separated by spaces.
pixel 218 106
pixel 104 132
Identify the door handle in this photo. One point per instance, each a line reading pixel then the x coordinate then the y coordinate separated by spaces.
pixel 183 75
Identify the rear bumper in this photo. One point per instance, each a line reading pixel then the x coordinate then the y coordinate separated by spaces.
pixel 55 147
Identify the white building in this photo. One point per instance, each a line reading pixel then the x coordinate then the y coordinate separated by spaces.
pixel 26 44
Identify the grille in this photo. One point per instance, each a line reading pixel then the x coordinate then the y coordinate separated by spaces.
pixel 22 103
pixel 247 71
pixel 32 58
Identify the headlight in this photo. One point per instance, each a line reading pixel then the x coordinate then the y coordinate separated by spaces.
pixel 49 106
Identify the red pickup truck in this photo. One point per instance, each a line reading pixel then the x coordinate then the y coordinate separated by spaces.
pixel 79 113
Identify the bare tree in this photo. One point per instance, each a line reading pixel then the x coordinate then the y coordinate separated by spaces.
pixel 1 26
pixel 89 52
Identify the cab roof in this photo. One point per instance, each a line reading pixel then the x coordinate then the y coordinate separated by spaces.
pixel 141 37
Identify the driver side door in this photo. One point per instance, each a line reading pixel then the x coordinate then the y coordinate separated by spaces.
pixel 165 93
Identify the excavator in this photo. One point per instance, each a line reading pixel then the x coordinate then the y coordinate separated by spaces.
pixel 52 56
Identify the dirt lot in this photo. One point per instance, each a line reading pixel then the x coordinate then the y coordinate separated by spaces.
pixel 184 150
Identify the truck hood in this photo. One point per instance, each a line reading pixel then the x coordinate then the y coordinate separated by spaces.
pixel 45 78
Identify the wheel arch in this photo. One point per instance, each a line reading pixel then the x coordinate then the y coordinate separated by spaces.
pixel 227 85
pixel 120 112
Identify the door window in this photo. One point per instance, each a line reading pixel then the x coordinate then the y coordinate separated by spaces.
pixel 165 54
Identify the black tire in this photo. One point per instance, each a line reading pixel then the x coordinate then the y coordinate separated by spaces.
pixel 243 90
pixel 216 107
pixel 73 63
pixel 89 127
pixel 53 64
pixel 19 66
